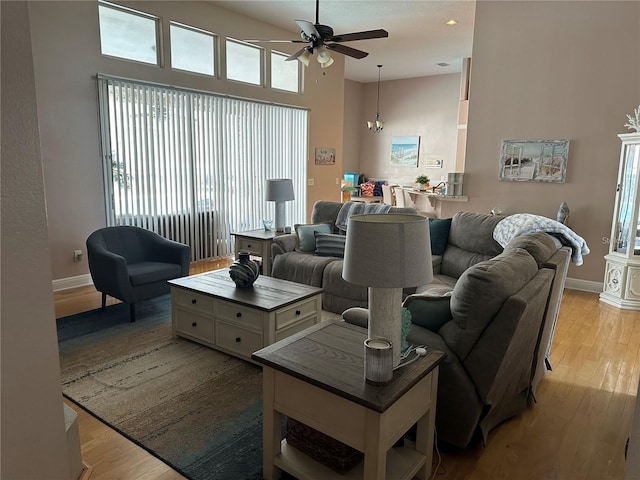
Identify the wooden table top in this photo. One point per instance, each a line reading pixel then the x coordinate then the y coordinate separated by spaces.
pixel 266 294
pixel 330 355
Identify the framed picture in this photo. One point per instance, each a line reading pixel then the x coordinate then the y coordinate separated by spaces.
pixel 325 156
pixel 534 160
pixel 433 163
pixel 404 151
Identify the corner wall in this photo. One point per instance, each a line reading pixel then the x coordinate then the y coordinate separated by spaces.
pixel 553 70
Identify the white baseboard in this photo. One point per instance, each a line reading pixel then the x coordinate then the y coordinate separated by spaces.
pixel 72 282
pixel 583 285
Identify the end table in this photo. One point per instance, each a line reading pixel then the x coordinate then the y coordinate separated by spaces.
pixel 317 377
pixel 257 242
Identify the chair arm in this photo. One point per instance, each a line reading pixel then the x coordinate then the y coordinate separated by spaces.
pixel 171 252
pixel 284 243
pixel 108 271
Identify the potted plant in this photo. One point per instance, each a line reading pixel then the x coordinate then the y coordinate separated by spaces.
pixel 422 182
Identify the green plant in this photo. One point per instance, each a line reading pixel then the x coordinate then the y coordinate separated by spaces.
pixel 423 179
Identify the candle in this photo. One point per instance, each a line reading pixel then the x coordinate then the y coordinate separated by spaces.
pixel 378 361
pixel 379 344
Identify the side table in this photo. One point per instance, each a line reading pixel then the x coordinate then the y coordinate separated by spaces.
pixel 258 242
pixel 317 377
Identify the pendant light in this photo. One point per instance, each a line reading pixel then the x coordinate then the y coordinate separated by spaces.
pixel 377 125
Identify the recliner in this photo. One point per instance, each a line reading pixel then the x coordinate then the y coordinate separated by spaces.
pixel 133 264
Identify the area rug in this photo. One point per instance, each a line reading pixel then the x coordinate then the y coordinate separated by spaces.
pixel 197 409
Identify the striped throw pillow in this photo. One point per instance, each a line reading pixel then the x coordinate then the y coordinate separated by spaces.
pixel 330 244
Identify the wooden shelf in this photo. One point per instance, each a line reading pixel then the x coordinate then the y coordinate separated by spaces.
pixel 402 464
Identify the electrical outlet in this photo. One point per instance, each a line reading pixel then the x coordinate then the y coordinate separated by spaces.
pixel 311 182
pixel 77 255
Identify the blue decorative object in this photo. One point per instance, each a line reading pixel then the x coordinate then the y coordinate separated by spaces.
pixel 406 326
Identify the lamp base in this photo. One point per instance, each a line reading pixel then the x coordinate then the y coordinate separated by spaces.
pixel 385 321
pixel 280 216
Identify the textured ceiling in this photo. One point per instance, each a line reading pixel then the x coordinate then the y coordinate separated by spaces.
pixel 418 37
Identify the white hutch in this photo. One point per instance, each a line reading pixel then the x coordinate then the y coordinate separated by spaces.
pixel 622 275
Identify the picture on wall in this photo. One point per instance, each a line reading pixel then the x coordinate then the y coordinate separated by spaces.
pixel 534 160
pixel 325 156
pixel 404 151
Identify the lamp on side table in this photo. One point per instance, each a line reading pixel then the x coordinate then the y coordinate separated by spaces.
pixel 386 253
pixel 279 190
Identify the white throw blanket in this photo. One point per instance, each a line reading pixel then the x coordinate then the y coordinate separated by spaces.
pixel 523 223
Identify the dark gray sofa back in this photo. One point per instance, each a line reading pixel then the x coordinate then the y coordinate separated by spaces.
pixel 470 242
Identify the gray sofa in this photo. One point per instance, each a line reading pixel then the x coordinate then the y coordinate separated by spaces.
pixel 495 325
pixel 323 271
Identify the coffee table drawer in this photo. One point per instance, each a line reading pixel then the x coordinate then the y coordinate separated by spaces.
pixel 237 339
pixel 239 314
pixel 194 301
pixel 194 325
pixel 295 313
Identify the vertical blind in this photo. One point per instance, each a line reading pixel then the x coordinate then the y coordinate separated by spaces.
pixel 192 166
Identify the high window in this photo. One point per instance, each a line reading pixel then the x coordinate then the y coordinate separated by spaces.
pixel 192 166
pixel 192 50
pixel 127 33
pixel 244 62
pixel 284 75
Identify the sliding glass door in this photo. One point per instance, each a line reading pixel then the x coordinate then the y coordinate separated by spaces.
pixel 192 166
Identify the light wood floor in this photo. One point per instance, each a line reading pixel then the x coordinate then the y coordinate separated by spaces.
pixel 576 431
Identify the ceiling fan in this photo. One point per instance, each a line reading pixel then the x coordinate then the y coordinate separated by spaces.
pixel 318 36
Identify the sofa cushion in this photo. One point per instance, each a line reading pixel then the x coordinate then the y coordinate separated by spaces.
pixel 439 234
pixel 429 311
pixel 356 208
pixel 541 246
pixel 329 244
pixel 480 292
pixel 144 273
pixel 301 267
pixel 306 237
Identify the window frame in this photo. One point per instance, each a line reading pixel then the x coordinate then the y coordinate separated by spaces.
pixel 139 13
pixel 262 70
pixel 298 90
pixel 216 52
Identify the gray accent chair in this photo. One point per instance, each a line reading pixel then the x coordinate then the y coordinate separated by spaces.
pixel 133 264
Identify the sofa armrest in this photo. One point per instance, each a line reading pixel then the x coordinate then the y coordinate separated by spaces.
pixel 283 243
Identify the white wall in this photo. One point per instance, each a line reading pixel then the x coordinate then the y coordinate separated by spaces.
pixel 33 438
pixel 553 70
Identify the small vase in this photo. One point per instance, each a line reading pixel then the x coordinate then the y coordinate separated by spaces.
pixel 244 271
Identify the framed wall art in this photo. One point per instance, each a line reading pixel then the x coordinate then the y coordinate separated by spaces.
pixel 325 156
pixel 534 160
pixel 404 151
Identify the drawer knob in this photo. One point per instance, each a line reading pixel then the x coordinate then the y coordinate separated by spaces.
pixel 248 245
pixel 298 312
pixel 194 301
pixel 239 314
pixel 238 339
pixel 194 324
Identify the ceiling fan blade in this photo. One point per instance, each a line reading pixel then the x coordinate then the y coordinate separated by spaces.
pixel 308 28
pixel 295 55
pixel 366 35
pixel 352 52
pixel 254 40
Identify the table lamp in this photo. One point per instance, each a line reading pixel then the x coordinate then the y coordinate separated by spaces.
pixel 386 253
pixel 279 190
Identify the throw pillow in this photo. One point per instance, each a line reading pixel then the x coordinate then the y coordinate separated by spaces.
pixel 439 233
pixel 429 311
pixel 329 244
pixel 305 234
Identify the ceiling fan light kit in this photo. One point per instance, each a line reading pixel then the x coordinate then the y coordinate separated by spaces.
pixel 317 35
pixel 377 126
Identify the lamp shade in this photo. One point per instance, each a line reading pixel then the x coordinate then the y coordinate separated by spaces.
pixel 279 190
pixel 388 251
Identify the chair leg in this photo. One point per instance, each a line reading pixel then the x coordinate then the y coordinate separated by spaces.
pixel 132 312
pixel 104 300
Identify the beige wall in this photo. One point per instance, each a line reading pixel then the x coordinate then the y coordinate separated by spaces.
pixel 353 126
pixel 33 433
pixel 66 47
pixel 553 70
